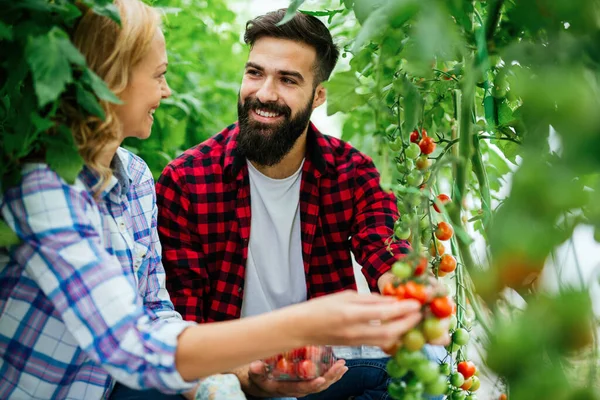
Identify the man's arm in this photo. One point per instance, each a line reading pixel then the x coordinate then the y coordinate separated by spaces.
pixel 182 257
pixel 375 212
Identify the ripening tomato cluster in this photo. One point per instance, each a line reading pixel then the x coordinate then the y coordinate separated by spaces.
pixel 463 382
pixel 421 223
pixel 417 374
pixel 305 363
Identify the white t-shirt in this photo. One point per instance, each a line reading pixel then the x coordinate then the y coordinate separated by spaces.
pixel 275 268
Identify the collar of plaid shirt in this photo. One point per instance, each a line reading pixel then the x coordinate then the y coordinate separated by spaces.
pixel 204 222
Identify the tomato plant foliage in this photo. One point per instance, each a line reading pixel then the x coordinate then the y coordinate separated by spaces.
pixel 505 90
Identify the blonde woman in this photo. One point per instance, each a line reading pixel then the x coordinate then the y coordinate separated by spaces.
pixel 83 301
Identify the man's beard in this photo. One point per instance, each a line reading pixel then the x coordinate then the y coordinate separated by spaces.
pixel 267 144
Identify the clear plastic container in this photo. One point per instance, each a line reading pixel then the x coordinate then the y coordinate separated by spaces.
pixel 303 364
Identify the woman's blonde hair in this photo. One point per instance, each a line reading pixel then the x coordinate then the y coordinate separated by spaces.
pixel 111 51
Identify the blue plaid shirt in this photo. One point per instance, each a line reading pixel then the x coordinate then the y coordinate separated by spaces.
pixel 84 295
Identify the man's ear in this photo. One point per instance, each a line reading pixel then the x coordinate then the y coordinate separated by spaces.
pixel 320 96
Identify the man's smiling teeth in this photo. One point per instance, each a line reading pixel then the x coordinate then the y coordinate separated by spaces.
pixel 266 114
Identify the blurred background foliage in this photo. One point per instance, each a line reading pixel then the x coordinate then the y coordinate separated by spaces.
pixel 206 59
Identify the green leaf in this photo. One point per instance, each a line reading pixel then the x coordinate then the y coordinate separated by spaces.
pixel 412 105
pixel 364 8
pixel 291 11
pixel 6 31
pixel 342 94
pixel 7 236
pixel 88 101
pixel 510 149
pixel 49 58
pixel 62 155
pixel 348 4
pixel 99 87
pixel 394 13
pixel 105 8
pixel 505 114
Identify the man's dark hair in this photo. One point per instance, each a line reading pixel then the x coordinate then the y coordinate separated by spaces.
pixel 302 28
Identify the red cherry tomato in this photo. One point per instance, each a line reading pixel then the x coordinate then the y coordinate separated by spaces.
pixel 416 291
pixel 427 145
pixel 444 231
pixel 299 354
pixel 284 367
pixel 421 266
pixel 307 370
pixel 414 136
pixel 401 292
pixel 443 199
pixel 389 289
pixel 466 368
pixel 441 307
pixel 447 263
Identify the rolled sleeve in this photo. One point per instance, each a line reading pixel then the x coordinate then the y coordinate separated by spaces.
pixel 375 213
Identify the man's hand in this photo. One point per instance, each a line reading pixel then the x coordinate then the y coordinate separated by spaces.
pixel 258 384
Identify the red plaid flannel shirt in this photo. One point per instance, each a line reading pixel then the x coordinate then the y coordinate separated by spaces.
pixel 204 223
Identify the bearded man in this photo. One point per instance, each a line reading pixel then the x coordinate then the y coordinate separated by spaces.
pixel 268 212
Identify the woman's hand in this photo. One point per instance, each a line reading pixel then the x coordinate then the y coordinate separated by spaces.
pixel 351 319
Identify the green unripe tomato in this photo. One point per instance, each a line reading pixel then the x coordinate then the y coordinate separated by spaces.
pixel 396 389
pixel 457 379
pixel 459 395
pixel 415 387
pixel 476 384
pixel 472 396
pixel 401 270
pixel 402 168
pixel 395 145
pixel 415 178
pixel 460 337
pixel 445 368
pixel 409 359
pixel 427 372
pixel 438 387
pixel 394 370
pixel 412 151
pixel 402 232
pixel 433 329
pixel 413 340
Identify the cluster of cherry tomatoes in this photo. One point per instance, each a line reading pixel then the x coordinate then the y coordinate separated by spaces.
pixel 414 279
pixel 302 364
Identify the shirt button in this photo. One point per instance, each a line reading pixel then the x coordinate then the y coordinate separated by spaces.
pixel 239 290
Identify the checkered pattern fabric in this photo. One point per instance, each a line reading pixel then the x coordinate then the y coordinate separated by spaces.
pixel 83 296
pixel 204 223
